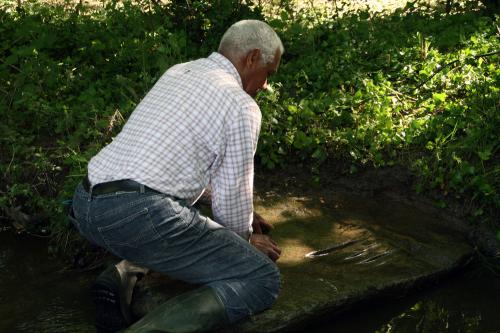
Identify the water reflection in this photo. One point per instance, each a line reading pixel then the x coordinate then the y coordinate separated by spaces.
pixel 464 303
pixel 430 316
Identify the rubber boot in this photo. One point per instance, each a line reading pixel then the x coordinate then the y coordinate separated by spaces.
pixel 112 294
pixel 196 311
pixel 129 273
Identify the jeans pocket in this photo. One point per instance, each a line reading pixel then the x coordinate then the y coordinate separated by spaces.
pixel 129 236
pixel 172 205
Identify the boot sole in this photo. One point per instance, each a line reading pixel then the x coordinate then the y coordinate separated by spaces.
pixel 111 312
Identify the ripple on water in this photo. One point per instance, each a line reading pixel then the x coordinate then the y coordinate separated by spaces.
pixel 57 317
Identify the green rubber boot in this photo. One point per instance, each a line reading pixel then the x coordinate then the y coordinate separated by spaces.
pixel 196 311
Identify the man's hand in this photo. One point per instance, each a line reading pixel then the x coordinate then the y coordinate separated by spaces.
pixel 266 245
pixel 260 225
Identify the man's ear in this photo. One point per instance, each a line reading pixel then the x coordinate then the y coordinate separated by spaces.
pixel 253 57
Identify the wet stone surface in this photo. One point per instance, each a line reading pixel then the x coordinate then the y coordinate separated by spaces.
pixel 338 249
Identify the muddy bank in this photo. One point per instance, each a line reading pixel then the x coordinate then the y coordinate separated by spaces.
pixel 395 184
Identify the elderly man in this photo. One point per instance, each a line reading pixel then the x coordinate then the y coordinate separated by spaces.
pixel 197 128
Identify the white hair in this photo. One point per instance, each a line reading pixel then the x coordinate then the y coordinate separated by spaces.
pixel 247 35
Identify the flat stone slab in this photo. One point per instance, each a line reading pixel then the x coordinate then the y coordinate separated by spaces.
pixel 365 247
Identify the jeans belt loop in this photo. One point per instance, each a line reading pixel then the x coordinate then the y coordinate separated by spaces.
pixel 142 190
pixel 90 193
pixel 86 180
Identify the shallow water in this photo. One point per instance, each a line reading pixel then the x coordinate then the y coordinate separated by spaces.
pixel 466 301
pixel 36 296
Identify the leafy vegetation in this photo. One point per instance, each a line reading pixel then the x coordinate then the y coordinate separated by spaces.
pixel 417 87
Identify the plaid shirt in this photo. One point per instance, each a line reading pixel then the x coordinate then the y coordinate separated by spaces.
pixel 197 126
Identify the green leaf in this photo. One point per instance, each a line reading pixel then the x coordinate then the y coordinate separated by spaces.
pixel 292 108
pixel 12 59
pixel 319 154
pixel 440 203
pixel 485 154
pixel 478 212
pixel 439 97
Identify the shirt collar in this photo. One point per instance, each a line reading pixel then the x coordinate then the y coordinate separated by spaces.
pixel 226 65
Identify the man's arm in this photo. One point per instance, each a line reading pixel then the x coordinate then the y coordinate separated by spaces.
pixel 232 183
pixel 260 227
pixel 259 224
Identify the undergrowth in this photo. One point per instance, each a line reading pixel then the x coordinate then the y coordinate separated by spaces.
pixel 418 87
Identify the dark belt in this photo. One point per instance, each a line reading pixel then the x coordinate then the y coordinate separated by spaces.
pixel 127 185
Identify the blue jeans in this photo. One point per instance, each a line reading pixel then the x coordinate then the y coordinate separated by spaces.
pixel 156 231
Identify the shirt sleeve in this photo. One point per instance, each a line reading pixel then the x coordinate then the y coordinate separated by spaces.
pixel 232 184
